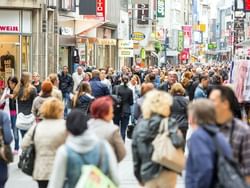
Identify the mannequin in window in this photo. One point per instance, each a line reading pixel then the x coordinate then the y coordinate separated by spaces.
pixel 7 61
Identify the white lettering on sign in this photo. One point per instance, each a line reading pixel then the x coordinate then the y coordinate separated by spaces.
pixel 100 8
pixel 9 28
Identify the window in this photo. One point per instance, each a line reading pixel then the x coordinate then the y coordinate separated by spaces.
pixel 68 5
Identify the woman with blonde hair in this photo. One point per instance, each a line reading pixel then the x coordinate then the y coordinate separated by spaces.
pixel 155 107
pixel 46 142
pixel 25 93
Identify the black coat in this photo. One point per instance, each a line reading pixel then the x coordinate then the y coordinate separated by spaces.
pixel 126 95
pixel 144 134
pixel 65 83
pixel 179 111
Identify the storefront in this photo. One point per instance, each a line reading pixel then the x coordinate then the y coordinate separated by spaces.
pixel 15 42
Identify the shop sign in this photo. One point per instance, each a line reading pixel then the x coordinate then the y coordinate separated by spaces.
pixel 9 28
pixel 100 9
pixel 143 14
pixel 212 46
pixel 247 6
pixel 10 21
pixel 126 53
pixel 160 8
pixel 110 42
pixel 66 31
pixel 126 44
pixel 138 36
pixel 180 41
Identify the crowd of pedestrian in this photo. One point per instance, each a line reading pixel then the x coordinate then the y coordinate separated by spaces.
pixel 82 119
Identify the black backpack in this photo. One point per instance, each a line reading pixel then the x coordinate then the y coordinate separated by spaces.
pixel 227 170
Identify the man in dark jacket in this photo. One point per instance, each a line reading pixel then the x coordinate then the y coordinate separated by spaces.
pixel 66 86
pixel 201 147
pixel 99 89
pixel 7 138
pixel 172 79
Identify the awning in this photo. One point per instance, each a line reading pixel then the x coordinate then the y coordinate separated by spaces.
pixel 82 27
pixel 67 40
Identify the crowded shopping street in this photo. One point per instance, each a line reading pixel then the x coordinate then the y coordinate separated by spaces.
pixel 124 94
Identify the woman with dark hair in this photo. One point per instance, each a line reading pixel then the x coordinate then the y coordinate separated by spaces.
pixel 121 118
pixel 179 108
pixel 83 98
pixel 82 147
pixel 25 93
pixel 9 106
pixel 102 124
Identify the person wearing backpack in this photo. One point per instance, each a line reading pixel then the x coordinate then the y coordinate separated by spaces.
pixel 82 148
pixel 6 139
pixel 201 162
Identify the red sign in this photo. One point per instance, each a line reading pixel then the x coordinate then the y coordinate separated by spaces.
pixel 100 9
pixel 247 5
pixel 6 28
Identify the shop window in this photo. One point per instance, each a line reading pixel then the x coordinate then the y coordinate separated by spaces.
pixel 63 57
pixel 68 5
pixel 26 53
pixel 10 57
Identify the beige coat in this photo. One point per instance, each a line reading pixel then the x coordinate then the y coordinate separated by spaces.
pixel 49 135
pixel 111 133
pixel 56 93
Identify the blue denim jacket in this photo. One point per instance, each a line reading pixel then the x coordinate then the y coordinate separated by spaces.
pixel 76 160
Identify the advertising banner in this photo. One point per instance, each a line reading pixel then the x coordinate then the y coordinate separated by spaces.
pixel 180 41
pixel 187 32
pixel 143 14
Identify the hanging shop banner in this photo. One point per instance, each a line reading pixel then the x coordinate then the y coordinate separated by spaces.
pixel 180 41
pixel 100 9
pixel 160 8
pixel 187 32
pixel 239 35
pixel 247 5
pixel 239 5
pixel 143 14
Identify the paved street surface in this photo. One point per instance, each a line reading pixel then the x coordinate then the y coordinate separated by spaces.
pixel 19 180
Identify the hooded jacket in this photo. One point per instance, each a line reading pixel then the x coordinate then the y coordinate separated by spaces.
pixel 111 133
pixel 85 145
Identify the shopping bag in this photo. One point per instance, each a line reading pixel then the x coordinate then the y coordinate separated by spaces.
pixel 92 177
pixel 165 153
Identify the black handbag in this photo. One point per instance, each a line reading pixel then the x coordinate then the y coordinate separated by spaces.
pixel 27 158
pixel 130 131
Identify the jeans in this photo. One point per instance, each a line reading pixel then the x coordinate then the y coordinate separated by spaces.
pixel 15 132
pixel 23 132
pixel 122 121
pixel 66 99
pixel 3 173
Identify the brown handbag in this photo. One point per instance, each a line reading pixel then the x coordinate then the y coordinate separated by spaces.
pixel 5 149
pixel 165 153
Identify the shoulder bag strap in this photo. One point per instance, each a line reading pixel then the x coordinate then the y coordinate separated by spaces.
pixel 231 132
pixel 33 134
